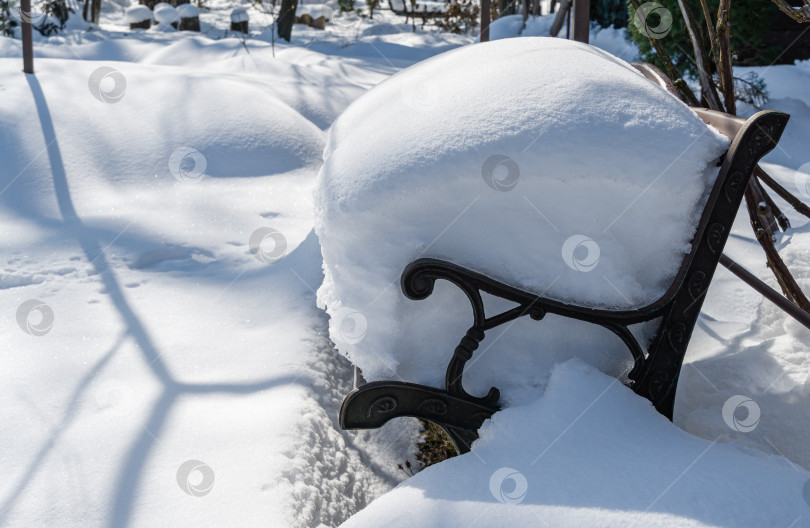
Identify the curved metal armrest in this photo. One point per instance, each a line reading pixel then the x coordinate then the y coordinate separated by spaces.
pixel 374 404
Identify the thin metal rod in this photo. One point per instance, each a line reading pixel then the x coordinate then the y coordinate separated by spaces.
pixel 485 19
pixel 568 25
pixel 27 36
pixel 581 20
pixel 769 293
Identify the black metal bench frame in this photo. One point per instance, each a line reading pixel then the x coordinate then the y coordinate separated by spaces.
pixel 656 366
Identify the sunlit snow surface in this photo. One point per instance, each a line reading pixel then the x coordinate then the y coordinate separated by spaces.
pixel 592 453
pixel 187 380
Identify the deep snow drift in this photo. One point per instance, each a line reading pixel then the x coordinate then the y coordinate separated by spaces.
pixel 592 453
pixel 545 177
pixel 130 193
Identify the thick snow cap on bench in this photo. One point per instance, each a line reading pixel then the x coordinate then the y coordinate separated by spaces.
pixel 424 6
pixel 138 13
pixel 188 11
pixel 547 164
pixel 166 13
pixel 239 14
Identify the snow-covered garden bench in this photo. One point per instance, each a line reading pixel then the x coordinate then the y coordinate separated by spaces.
pixel 656 365
pixel 424 9
pixel 539 179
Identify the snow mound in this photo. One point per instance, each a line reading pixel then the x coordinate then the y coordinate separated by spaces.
pixel 188 11
pixel 610 39
pixel 508 26
pixel 164 126
pixel 537 161
pixel 511 26
pixel 138 13
pixel 166 13
pixel 239 14
pixel 592 453
pixel 314 10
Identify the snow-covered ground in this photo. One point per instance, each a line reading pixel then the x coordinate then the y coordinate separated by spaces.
pixel 157 203
pixel 591 453
pixel 138 174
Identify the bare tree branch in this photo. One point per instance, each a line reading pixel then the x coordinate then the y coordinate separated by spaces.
pixel 708 19
pixel 799 14
pixel 724 68
pixel 706 84
pixel 786 281
pixel 671 71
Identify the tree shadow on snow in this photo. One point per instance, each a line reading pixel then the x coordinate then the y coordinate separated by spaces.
pixel 120 510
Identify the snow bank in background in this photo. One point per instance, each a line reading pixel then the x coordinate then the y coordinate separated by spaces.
pixel 614 41
pixel 138 13
pixel 787 88
pixel 610 39
pixel 536 161
pixel 506 27
pixel 314 10
pixel 166 13
pixel 592 453
pixel 239 14
pixel 188 11
pixel 161 117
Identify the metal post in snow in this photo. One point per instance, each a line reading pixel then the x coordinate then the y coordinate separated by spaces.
pixel 485 7
pixel 581 24
pixel 27 36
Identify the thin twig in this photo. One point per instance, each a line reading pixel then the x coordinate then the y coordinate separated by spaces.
pixel 708 19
